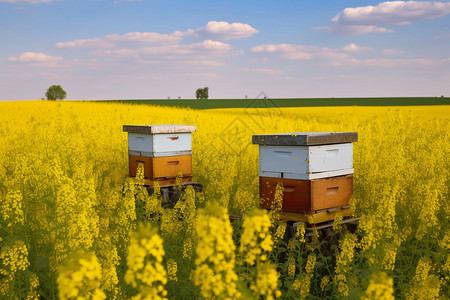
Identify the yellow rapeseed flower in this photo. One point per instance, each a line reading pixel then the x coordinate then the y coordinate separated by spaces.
pixel 343 263
pixel 214 273
pixel 172 268
pixel 381 287
pixel 266 283
pixel 424 285
pixel 144 261
pixel 80 278
pixel 256 241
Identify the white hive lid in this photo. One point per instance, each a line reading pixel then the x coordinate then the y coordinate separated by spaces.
pixel 305 138
pixel 155 129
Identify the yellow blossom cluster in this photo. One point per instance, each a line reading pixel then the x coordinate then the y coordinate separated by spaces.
pixel 302 285
pixel 277 204
pixel 187 248
pixel 424 285
pixel 172 269
pixel 34 284
pixel 11 209
pixel 337 221
pixel 80 278
pixel 13 258
pixel 266 281
pixel 214 273
pixel 324 282
pixel 381 287
pixel 256 241
pixel 343 263
pixel 279 233
pixel 144 261
pixel 300 233
pixel 77 222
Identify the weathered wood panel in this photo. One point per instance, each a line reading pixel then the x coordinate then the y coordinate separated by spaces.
pixel 317 217
pixel 305 138
pixel 158 129
pixel 166 181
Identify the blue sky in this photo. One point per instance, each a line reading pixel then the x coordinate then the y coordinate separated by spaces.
pixel 119 49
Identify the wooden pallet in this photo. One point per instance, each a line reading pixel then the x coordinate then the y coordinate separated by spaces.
pixel 166 181
pixel 318 217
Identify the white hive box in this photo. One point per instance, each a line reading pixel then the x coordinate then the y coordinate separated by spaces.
pixel 159 140
pixel 306 155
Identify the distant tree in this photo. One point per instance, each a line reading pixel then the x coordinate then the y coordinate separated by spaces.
pixel 55 92
pixel 202 93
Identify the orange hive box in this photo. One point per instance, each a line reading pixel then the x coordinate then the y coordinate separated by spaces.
pixel 307 196
pixel 161 167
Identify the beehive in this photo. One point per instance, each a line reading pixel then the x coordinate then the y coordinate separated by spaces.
pixel 164 150
pixel 315 168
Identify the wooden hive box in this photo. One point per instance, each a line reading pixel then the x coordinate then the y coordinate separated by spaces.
pixel 159 140
pixel 307 196
pixel 164 150
pixel 161 167
pixel 306 155
pixel 315 169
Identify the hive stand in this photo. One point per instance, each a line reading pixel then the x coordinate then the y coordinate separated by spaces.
pixel 164 151
pixel 316 171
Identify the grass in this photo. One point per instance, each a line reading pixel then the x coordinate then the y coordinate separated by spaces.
pixel 290 102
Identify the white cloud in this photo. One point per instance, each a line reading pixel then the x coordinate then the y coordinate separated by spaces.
pixel 285 48
pixel 152 47
pixel 392 13
pixel 115 40
pixel 213 30
pixel 392 63
pixel 354 48
pixel 289 51
pixel 185 51
pixel 353 29
pixel 34 57
pixel 221 31
pixel 200 63
pixel 368 19
pixel 27 1
pixel 300 52
pixel 391 51
pixel 262 71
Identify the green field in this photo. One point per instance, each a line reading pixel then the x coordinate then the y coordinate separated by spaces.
pixel 292 102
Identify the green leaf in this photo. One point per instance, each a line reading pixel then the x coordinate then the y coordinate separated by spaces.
pixel 50 204
pixel 41 263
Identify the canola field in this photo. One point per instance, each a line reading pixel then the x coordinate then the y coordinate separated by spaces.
pixel 73 226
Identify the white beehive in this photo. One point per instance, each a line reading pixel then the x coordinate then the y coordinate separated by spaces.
pixel 159 140
pixel 306 155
